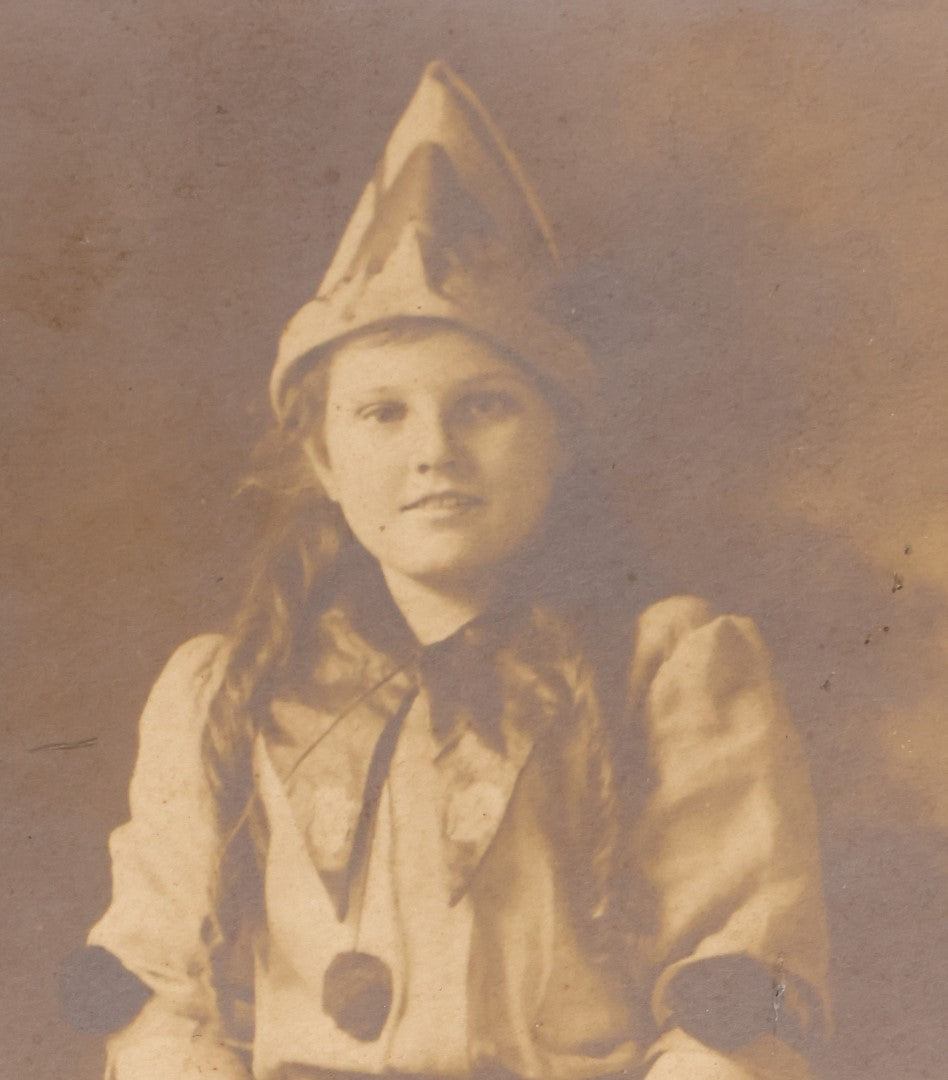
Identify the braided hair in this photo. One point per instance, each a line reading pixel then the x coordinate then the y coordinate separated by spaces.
pixel 292 582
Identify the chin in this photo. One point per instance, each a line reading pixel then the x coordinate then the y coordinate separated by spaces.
pixel 446 568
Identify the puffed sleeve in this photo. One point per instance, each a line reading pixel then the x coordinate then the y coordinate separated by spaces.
pixel 164 861
pixel 728 845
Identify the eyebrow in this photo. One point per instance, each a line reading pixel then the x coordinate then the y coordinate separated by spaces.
pixel 490 376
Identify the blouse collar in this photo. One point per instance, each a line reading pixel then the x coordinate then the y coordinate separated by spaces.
pixel 492 688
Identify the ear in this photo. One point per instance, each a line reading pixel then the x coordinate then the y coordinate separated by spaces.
pixel 319 460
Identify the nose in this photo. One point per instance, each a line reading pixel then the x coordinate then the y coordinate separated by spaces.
pixel 435 447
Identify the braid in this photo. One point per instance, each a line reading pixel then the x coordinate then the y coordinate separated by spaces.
pixel 288 587
pixel 593 848
pixel 603 812
pixel 547 679
pixel 619 785
pixel 604 782
pixel 273 629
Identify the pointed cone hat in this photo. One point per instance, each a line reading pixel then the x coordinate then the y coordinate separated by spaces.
pixel 448 228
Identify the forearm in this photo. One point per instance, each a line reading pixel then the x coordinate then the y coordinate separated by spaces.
pixel 160 1044
pixel 679 1056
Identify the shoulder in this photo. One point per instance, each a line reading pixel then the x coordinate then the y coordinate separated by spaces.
pixel 195 667
pixel 663 625
pixel 684 650
pixel 176 710
pixel 686 629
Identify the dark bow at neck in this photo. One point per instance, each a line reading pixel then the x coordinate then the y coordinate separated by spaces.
pixel 492 688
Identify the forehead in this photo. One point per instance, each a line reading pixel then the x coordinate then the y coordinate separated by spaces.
pixel 437 360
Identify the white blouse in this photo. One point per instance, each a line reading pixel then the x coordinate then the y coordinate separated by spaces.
pixel 405 918
pixel 727 840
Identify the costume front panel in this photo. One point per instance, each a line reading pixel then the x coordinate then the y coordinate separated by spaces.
pixel 500 971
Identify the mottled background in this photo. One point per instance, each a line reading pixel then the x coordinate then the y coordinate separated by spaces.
pixel 753 199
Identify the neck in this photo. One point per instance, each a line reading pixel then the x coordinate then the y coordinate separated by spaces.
pixel 435 612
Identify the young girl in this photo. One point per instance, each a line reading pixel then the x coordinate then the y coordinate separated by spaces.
pixel 448 799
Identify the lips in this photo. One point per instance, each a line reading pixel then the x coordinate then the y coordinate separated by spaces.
pixel 444 500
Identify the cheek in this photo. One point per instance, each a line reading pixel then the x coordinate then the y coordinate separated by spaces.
pixel 360 497
pixel 358 461
pixel 523 458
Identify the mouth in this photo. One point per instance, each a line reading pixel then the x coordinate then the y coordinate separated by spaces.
pixel 446 501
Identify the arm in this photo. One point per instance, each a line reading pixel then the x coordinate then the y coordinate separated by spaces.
pixel 728 841
pixel 679 1056
pixel 164 862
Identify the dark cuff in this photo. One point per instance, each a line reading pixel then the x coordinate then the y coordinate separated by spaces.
pixel 97 993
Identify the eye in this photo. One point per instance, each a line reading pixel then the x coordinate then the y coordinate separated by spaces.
pixel 488 405
pixel 382 412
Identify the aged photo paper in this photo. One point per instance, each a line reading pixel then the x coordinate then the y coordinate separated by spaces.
pixel 475 539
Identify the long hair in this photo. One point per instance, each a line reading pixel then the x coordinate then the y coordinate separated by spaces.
pixel 292 582
pixel 288 586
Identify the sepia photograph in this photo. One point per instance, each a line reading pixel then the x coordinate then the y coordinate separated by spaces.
pixel 475 539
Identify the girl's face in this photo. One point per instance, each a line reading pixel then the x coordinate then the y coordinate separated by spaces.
pixel 441 454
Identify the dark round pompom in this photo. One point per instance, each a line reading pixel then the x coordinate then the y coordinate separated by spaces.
pixel 357 994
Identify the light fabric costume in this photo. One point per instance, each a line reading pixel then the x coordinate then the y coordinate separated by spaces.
pixel 464 894
pixel 438 814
